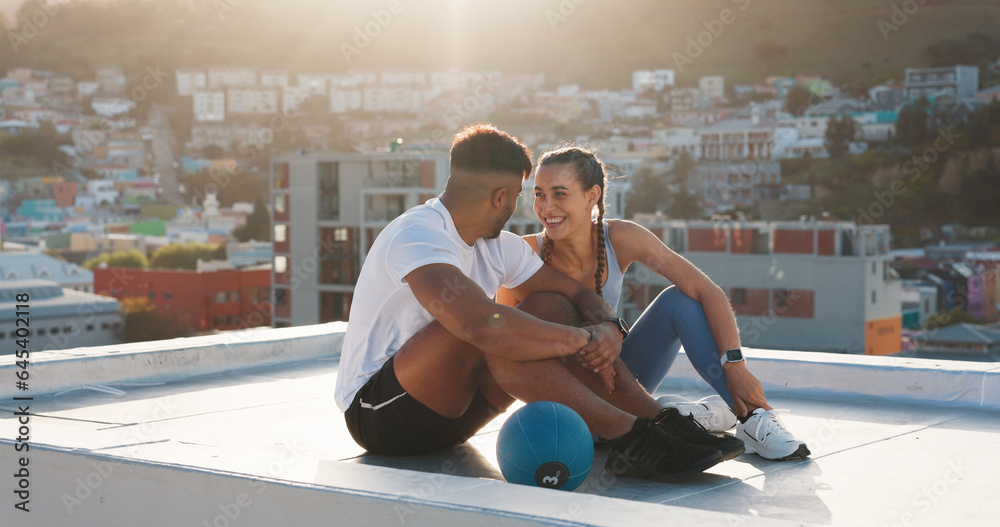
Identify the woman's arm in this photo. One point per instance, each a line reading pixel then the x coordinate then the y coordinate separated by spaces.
pixel 634 243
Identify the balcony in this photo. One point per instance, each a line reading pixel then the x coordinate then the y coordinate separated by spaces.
pixel 240 428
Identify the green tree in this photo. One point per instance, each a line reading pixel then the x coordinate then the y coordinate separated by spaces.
pixel 143 323
pixel 186 256
pixel 797 100
pixel 978 129
pixel 212 151
pixel 685 205
pixel 132 258
pixel 840 133
pixel 911 126
pixel 258 225
pixel 649 192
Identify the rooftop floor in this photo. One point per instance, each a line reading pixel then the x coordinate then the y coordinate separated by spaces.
pixel 265 444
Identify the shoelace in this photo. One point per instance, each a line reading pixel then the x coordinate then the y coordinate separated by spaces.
pixel 684 425
pixel 655 445
pixel 770 421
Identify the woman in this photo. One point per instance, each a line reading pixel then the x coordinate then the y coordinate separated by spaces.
pixel 695 312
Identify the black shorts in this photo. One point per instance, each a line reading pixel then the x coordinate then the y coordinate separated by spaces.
pixel 386 420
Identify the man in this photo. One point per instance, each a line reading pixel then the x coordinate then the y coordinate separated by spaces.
pixel 429 358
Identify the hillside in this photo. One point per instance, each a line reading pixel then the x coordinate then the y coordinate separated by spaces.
pixel 596 43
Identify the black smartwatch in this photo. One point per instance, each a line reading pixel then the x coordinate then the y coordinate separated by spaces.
pixel 733 355
pixel 622 326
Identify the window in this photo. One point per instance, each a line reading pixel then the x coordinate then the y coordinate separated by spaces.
pixel 739 296
pixel 41 332
pixel 280 297
pixel 280 204
pixel 53 331
pixel 280 264
pixel 168 296
pixel 280 233
pixel 152 295
pixel 90 327
pixel 340 234
pixel 328 176
pixel 781 297
pixel 234 296
pixel 873 297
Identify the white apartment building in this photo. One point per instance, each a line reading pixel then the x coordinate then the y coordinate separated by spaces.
pixel 209 105
pixel 327 210
pixel 271 78
pixel 957 81
pixel 402 99
pixel 713 86
pixel 809 286
pixel 190 80
pixel 645 80
pixel 345 100
pixel 252 101
pixel 403 78
pixel 292 97
pixel 225 77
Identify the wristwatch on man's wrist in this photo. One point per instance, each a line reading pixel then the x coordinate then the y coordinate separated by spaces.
pixel 733 355
pixel 620 323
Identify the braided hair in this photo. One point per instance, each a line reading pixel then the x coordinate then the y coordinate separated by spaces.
pixel 589 172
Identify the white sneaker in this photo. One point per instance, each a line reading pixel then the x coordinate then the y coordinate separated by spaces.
pixel 764 434
pixel 712 413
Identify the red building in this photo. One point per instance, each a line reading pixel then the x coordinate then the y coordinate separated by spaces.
pixel 210 300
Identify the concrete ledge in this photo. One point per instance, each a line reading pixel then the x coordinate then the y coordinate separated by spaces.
pixel 167 360
pixel 74 487
pixel 820 375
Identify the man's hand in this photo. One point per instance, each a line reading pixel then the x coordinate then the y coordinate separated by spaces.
pixel 601 352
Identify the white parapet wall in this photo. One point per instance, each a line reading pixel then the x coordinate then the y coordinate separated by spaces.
pixel 170 360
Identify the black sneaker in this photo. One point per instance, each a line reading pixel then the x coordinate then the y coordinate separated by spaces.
pixel 686 428
pixel 650 452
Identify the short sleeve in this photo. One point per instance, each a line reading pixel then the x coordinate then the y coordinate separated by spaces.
pixel 520 261
pixel 415 247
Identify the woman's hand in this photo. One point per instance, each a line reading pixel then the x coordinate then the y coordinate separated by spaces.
pixel 745 388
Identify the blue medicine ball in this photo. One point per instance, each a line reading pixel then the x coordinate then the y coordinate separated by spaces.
pixel 545 444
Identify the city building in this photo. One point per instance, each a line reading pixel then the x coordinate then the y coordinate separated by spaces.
pixel 222 299
pixel 327 211
pixel 813 286
pixel 887 97
pixel 645 80
pixel 190 80
pixel 735 184
pixel 252 101
pixel 226 77
pixel 15 267
pixel 59 318
pixel 957 81
pixel 209 105
pixel 713 86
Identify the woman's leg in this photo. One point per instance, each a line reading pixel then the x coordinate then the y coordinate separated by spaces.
pixel 672 319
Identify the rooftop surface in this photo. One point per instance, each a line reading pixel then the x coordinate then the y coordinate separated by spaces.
pixel 242 429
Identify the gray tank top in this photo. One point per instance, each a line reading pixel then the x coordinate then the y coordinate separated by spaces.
pixel 612 290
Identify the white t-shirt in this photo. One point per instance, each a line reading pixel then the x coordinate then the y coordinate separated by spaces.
pixel 384 312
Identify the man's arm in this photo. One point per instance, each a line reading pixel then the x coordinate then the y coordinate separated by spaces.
pixel 461 306
pixel 606 342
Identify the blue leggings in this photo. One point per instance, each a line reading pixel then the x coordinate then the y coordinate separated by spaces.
pixel 652 345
